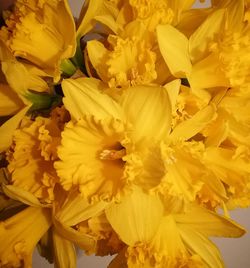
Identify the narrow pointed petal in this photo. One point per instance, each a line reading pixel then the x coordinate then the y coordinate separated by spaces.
pixel 209 223
pixel 20 234
pixel 148 109
pixel 207 73
pixel 174 49
pixel 89 10
pixel 173 89
pixel 96 52
pixel 64 250
pixel 200 245
pixel 198 42
pixel 84 241
pixel 168 241
pixel 189 128
pixel 21 195
pixel 235 12
pixel 108 20
pixel 136 217
pixel 83 96
pixel 77 209
pixel 8 128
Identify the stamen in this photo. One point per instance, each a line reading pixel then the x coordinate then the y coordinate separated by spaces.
pixel 112 154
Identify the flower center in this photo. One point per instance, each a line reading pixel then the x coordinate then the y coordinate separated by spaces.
pixel 112 154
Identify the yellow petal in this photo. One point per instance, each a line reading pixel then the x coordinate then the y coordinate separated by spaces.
pixel 209 223
pixel 21 195
pixel 192 19
pixel 64 252
pixel 84 241
pixel 83 96
pixel 167 242
pixel 218 133
pixel 199 244
pixel 89 10
pixel 173 89
pixel 108 20
pixel 19 75
pixel 235 12
pixel 209 29
pixel 136 217
pixel 148 109
pixel 174 49
pixel 9 101
pixel 77 209
pixel 100 11
pixel 96 52
pixel 178 6
pixel 187 129
pixel 20 234
pixel 208 73
pixel 8 128
pixel 215 185
pixel 22 77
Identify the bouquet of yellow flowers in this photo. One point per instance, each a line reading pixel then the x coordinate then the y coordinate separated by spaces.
pixel 124 132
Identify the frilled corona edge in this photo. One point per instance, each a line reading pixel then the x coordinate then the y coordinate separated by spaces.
pixel 128 131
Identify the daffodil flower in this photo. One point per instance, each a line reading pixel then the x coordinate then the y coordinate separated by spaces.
pixel 155 238
pixel 215 51
pixel 42 33
pixel 147 50
pixel 17 243
pixel 33 151
pixel 100 151
pixel 109 145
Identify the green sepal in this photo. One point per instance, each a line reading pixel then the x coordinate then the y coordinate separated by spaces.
pixel 42 101
pixel 67 67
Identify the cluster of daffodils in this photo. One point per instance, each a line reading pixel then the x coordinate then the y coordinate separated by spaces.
pixel 124 132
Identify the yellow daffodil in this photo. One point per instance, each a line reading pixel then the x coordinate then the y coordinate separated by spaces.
pixel 155 238
pixel 20 234
pixel 21 76
pixel 215 51
pixel 33 152
pixel 141 155
pixel 146 49
pixel 129 61
pixel 229 144
pixel 147 152
pixel 42 33
pixel 175 167
pixel 102 144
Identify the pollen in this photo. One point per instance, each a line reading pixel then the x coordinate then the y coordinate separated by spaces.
pixel 112 154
